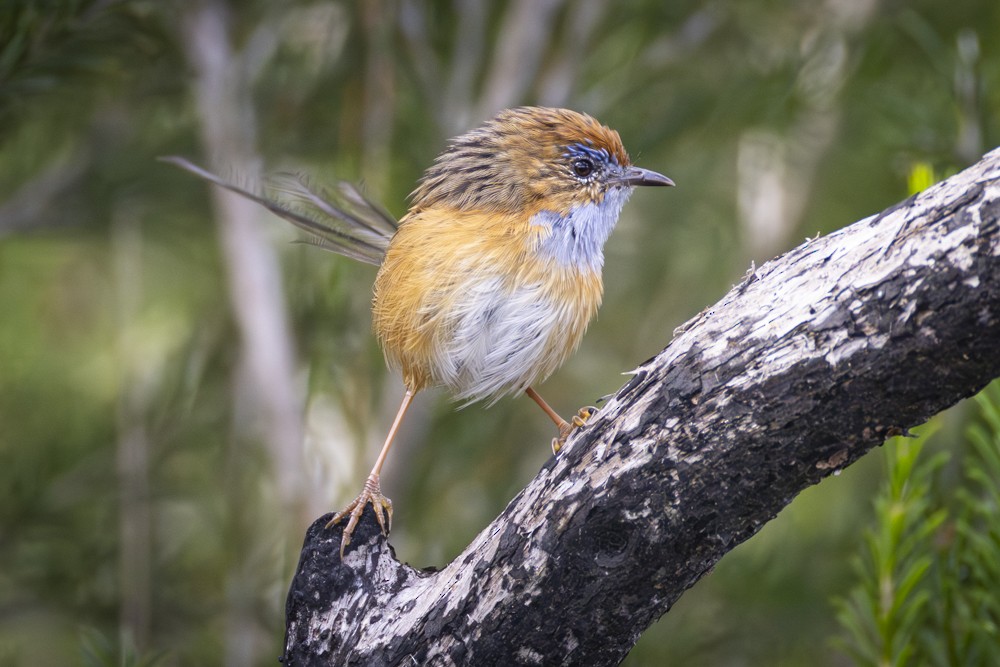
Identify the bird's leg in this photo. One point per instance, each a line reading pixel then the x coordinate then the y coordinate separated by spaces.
pixel 565 427
pixel 372 491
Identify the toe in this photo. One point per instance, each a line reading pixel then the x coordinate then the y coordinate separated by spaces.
pixel 583 415
pixel 381 505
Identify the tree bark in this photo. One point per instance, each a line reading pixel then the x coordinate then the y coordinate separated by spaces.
pixel 812 360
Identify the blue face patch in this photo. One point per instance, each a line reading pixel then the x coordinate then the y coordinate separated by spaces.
pixel 597 155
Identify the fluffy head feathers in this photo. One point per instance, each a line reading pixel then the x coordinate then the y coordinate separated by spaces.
pixel 523 160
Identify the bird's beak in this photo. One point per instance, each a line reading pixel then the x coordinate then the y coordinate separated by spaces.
pixel 637 176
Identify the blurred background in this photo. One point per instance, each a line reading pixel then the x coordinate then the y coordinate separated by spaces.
pixel 183 389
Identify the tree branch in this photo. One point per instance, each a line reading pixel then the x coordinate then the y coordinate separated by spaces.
pixel 812 360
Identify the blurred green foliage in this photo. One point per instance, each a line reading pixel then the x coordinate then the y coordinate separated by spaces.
pixel 99 651
pixel 777 120
pixel 886 613
pixel 929 575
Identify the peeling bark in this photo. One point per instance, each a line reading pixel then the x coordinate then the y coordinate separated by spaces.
pixel 808 363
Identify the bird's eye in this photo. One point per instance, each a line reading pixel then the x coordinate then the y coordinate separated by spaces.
pixel 583 167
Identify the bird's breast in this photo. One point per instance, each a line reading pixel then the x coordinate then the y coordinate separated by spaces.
pixel 572 233
pixel 478 309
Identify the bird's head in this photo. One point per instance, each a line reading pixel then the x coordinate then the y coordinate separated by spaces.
pixel 530 159
pixel 562 170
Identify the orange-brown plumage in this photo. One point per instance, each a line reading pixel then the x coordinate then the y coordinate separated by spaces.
pixel 433 265
pixel 512 163
pixel 472 238
pixel 491 278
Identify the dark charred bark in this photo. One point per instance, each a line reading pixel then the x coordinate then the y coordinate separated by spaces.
pixel 808 363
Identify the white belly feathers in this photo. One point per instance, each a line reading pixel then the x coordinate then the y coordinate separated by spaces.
pixel 498 342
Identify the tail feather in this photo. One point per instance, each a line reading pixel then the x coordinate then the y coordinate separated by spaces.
pixel 343 221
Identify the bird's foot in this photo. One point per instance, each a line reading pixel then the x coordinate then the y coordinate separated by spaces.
pixel 579 419
pixel 371 493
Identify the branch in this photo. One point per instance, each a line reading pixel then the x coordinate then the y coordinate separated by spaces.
pixel 811 361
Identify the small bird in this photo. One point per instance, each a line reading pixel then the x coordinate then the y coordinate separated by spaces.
pixel 487 284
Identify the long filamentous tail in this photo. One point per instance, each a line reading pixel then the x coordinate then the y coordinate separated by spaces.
pixel 343 220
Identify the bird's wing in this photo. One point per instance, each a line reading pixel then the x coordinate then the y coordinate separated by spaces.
pixel 343 221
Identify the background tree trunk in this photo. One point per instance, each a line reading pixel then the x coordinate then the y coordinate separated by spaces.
pixel 266 397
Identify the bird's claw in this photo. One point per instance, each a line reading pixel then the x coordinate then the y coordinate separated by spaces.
pixel 371 493
pixel 583 415
pixel 578 421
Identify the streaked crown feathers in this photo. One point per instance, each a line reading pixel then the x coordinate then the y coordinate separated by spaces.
pixel 520 158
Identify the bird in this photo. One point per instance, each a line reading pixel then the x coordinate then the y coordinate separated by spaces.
pixel 487 284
